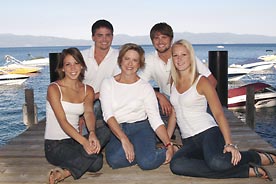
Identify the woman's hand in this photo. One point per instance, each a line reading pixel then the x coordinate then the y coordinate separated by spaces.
pixel 236 155
pixel 169 154
pixel 129 150
pixel 87 147
pixel 94 142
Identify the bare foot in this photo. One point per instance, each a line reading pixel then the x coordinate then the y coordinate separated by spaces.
pixel 57 175
pixel 267 158
pixel 262 173
pixel 259 172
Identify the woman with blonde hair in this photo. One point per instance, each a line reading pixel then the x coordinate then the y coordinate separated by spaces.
pixel 131 111
pixel 208 150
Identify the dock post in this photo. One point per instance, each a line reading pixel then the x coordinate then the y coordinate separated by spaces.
pixel 218 65
pixel 250 107
pixel 29 109
pixel 54 58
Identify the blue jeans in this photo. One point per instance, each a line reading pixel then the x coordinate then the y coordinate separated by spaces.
pixel 202 156
pixel 69 154
pixel 163 116
pixel 98 115
pixel 98 110
pixel 141 135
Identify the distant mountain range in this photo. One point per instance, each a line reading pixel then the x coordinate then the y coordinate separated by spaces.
pixel 11 40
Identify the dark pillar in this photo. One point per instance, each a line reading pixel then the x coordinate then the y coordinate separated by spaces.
pixel 29 99
pixel 250 107
pixel 54 58
pixel 218 65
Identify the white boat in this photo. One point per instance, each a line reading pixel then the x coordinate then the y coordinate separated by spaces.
pixel 235 74
pixel 14 66
pixel 12 79
pixel 237 71
pixel 270 56
pixel 255 66
pixel 220 47
pixel 35 61
pixel 265 96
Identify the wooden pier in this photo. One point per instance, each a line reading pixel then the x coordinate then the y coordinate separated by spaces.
pixel 22 160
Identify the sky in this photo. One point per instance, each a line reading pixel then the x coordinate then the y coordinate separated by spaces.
pixel 73 18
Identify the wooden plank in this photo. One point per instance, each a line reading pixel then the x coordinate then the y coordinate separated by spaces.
pixel 22 160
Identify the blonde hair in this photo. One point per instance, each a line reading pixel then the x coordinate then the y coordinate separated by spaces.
pixel 193 69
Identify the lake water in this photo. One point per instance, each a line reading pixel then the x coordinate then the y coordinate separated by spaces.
pixel 13 97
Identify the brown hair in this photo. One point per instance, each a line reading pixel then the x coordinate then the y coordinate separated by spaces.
pixel 163 28
pixel 135 47
pixel 76 54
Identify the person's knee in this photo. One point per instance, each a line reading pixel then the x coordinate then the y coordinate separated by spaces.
pixel 219 163
pixel 174 167
pixel 147 164
pixel 113 162
pixel 178 169
pixel 97 164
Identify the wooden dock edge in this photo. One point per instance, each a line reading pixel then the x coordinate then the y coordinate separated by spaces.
pixel 22 160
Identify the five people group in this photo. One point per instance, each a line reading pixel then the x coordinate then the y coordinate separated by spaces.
pixel 101 83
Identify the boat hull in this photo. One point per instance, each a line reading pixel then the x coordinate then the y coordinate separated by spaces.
pixel 263 103
pixel 36 62
pixel 19 69
pixel 265 96
pixel 12 79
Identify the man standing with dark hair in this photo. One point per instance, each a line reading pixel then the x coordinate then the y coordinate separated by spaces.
pixel 100 59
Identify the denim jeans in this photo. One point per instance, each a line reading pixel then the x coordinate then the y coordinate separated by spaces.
pixel 69 154
pixel 202 156
pixel 164 117
pixel 98 115
pixel 98 110
pixel 141 135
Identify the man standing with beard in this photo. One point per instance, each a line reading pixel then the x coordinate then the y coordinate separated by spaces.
pixel 158 65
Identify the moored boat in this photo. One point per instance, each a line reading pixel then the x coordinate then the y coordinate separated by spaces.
pixel 270 56
pixel 19 69
pixel 12 79
pixel 265 96
pixel 14 66
pixel 33 61
pixel 235 74
pixel 255 66
pixel 36 62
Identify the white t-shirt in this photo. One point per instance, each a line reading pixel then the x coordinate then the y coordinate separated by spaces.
pixel 95 73
pixel 129 103
pixel 157 70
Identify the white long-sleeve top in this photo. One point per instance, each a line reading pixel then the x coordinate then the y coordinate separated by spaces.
pixel 129 103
